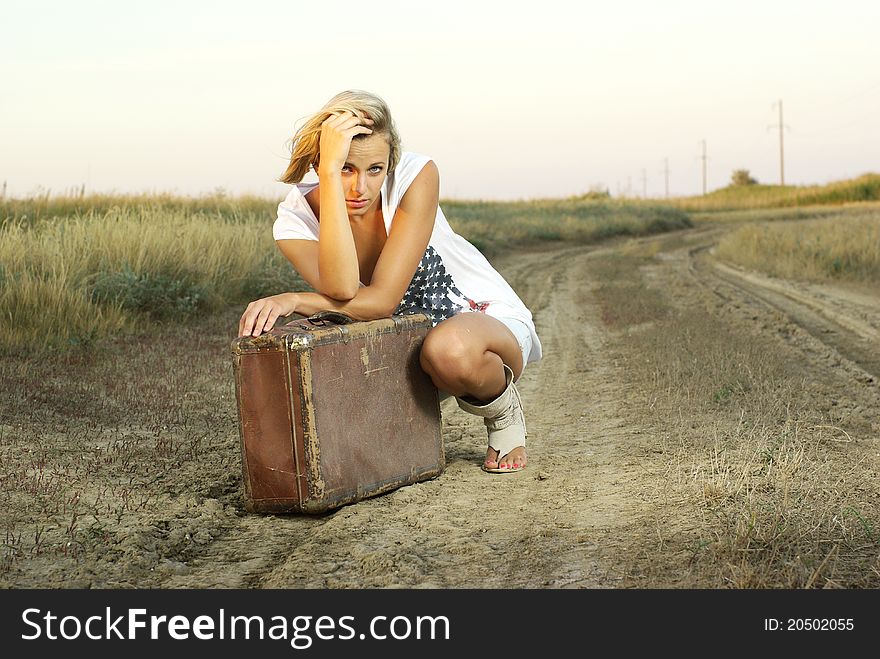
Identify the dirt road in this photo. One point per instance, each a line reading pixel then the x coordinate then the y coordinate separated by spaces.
pixel 615 494
pixel 466 529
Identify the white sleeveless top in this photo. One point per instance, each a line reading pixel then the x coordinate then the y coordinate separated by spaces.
pixel 453 275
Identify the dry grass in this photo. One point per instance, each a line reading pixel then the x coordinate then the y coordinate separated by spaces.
pixel 785 214
pixel 774 488
pixel 862 189
pixel 497 226
pixel 69 281
pixel 218 205
pixel 76 269
pixel 842 248
pixel 773 478
pixel 98 449
pixel 624 299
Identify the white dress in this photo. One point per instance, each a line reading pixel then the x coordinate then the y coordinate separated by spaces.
pixel 452 277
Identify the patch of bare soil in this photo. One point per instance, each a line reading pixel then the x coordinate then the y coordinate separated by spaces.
pixel 121 468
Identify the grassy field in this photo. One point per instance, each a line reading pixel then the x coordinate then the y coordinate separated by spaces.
pixel 30 210
pixel 812 233
pixel 845 247
pixel 739 197
pixel 496 226
pixel 76 269
pixel 70 280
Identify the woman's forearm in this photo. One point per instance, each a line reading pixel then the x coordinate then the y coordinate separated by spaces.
pixel 337 256
pixel 368 304
pixel 260 315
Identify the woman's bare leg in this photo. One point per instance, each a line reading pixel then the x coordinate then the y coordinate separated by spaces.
pixel 464 356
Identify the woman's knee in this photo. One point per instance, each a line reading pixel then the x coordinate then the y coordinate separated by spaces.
pixel 447 353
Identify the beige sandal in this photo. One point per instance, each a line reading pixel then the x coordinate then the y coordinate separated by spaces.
pixel 504 420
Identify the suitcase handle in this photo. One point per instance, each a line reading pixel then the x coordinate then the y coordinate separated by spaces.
pixel 324 318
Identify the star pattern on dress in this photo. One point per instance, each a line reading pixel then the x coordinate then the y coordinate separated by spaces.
pixel 433 292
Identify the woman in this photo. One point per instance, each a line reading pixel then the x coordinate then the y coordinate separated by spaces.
pixel 370 238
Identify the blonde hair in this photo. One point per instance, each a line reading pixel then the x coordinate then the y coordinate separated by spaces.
pixel 306 142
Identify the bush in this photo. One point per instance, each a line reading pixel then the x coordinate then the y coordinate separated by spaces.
pixel 160 296
pixel 742 177
pixel 596 192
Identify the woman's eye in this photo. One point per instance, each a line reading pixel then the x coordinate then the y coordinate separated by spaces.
pixel 375 170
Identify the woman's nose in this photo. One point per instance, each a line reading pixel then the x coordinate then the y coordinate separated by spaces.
pixel 360 184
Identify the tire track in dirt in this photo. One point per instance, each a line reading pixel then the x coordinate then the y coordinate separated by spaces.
pixel 842 332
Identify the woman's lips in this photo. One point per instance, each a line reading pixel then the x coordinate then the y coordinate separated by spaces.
pixel 355 203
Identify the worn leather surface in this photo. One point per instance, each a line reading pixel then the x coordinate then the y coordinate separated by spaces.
pixel 332 414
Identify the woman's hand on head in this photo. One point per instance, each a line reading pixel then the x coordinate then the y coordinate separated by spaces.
pixel 260 315
pixel 337 132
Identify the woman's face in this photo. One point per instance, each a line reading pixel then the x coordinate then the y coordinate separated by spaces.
pixel 363 174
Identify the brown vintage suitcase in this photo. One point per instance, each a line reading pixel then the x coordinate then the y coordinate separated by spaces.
pixel 332 411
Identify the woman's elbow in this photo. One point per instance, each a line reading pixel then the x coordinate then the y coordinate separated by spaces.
pixel 379 307
pixel 386 309
pixel 333 285
pixel 341 294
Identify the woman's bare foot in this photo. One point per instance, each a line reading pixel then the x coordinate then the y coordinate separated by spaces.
pixel 513 461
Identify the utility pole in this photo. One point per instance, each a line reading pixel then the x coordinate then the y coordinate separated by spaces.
pixel 644 184
pixel 666 175
pixel 703 157
pixel 781 149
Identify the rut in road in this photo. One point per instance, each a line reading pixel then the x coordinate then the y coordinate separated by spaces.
pixel 837 324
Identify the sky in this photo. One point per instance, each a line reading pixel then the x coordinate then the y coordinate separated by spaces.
pixel 512 100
